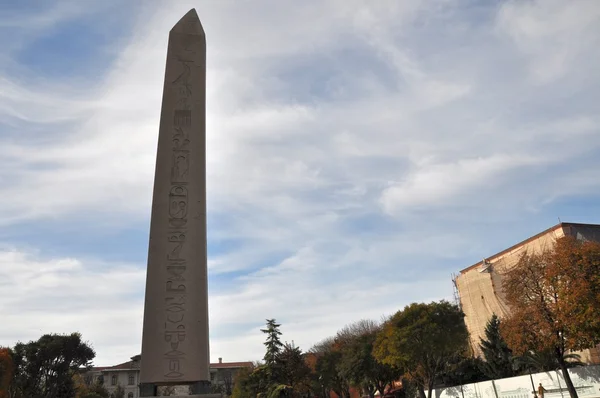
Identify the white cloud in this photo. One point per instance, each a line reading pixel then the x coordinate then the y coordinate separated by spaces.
pixel 62 295
pixel 555 35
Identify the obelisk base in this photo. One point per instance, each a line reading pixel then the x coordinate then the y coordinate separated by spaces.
pixel 199 389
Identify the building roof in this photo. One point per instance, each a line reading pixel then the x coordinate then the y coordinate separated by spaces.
pixel 98 368
pixel 230 365
pixel 534 237
pixel 131 365
pixel 122 366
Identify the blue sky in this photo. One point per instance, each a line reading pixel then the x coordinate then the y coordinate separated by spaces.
pixel 358 154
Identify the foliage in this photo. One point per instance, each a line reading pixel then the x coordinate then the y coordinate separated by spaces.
pixel 273 343
pixel 119 392
pixel 498 356
pixel 6 371
pixel 543 361
pixel 251 382
pixel 291 370
pixel 85 386
pixel 323 346
pixel 463 369
pixel 241 384
pixel 359 366
pixel 555 298
pixel 422 338
pixel 227 387
pixel 45 368
pixel 350 332
pixel 328 374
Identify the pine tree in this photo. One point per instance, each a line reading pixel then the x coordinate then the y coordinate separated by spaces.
pixel 273 342
pixel 498 357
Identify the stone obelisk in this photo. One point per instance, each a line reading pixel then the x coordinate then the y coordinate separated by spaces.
pixel 175 347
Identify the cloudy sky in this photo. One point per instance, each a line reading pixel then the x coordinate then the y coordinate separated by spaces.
pixel 359 153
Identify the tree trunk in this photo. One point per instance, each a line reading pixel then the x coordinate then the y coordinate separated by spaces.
pixel 381 388
pixel 565 372
pixel 430 389
pixel 421 390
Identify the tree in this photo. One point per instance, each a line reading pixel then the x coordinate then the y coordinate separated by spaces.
pixel 422 339
pixel 227 382
pixel 45 368
pixel 555 298
pixel 86 387
pixel 498 356
pixel 273 343
pixel 329 376
pixel 360 366
pixel 292 371
pixel 6 371
pixel 463 369
pixel 242 387
pixel 119 392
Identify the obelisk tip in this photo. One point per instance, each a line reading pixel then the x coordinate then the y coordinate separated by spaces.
pixel 189 24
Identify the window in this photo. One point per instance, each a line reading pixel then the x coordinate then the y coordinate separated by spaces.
pixel 130 395
pixel 113 380
pixel 212 376
pixel 131 379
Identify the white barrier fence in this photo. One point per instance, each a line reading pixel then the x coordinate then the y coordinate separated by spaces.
pixel 586 380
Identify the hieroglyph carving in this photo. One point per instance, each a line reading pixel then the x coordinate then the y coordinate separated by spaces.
pixel 176 263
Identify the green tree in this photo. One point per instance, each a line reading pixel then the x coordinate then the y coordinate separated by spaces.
pixel 329 376
pixel 463 369
pixel 360 366
pixel 422 339
pixel 555 299
pixel 273 342
pixel 45 368
pixel 498 356
pixel 292 370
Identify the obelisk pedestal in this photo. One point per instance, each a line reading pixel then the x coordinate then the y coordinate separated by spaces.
pixel 175 345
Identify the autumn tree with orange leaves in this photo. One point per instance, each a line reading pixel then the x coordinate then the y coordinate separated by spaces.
pixel 555 301
pixel 6 371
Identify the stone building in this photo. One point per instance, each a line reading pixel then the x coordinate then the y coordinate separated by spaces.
pixel 480 285
pixel 127 376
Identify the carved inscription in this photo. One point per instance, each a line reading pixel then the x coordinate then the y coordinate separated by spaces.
pixel 182 118
pixel 176 262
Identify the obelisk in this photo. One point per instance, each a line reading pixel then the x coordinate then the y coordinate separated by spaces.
pixel 175 347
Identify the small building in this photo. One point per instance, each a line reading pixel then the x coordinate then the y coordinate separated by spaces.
pixel 480 285
pixel 127 375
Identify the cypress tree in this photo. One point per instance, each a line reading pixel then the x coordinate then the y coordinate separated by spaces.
pixel 497 355
pixel 273 343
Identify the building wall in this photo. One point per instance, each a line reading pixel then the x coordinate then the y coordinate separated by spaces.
pixel 122 378
pixel 221 374
pixel 480 287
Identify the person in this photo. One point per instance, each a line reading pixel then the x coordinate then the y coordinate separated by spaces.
pixel 541 391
